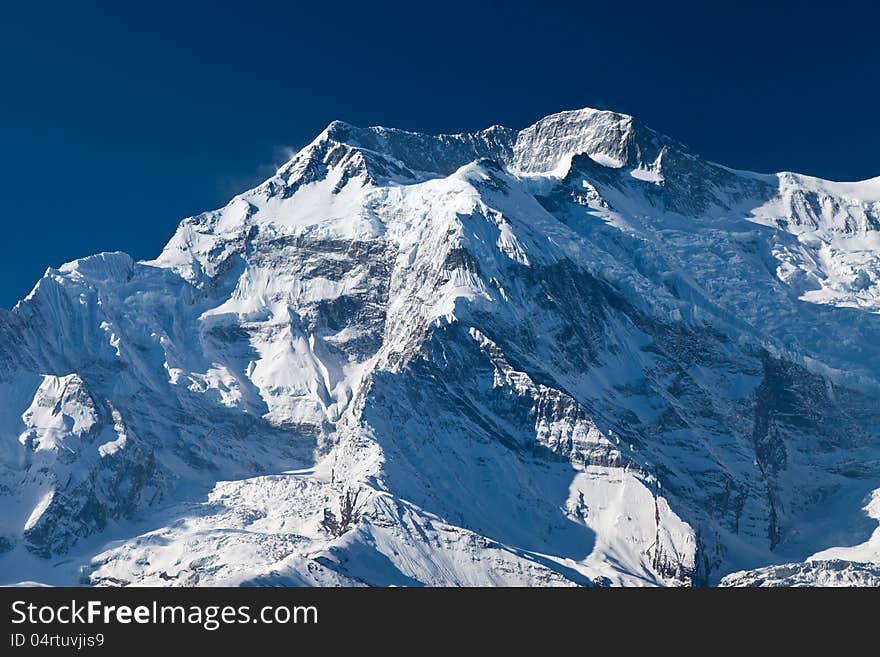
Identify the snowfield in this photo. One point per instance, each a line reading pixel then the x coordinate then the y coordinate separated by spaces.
pixel 572 355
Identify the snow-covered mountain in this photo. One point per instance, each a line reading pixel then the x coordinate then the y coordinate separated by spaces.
pixel 575 354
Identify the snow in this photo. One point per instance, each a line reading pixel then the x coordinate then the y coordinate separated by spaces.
pixel 54 415
pixel 647 175
pixel 869 551
pixel 477 359
pixel 622 511
pixel 833 574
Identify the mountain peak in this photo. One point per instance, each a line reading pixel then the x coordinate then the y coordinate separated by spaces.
pixel 567 354
pixel 543 148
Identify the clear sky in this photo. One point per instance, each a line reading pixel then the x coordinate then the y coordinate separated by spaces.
pixel 117 119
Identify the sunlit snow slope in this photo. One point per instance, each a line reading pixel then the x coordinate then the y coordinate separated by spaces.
pixel 576 354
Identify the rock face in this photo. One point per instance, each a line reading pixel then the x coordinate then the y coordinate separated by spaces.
pixel 576 354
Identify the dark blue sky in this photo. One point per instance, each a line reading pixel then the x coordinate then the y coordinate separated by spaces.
pixel 117 119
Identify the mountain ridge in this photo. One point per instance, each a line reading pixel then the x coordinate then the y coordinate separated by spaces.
pixel 574 354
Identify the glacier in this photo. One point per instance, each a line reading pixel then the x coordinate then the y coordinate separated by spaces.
pixel 577 354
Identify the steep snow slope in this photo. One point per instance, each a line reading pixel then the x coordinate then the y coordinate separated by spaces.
pixel 575 354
